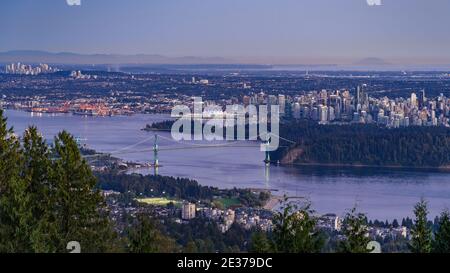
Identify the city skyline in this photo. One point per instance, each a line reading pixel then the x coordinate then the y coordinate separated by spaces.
pixel 262 32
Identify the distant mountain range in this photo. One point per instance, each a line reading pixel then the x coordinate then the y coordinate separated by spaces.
pixel 31 56
pixel 372 61
pixel 139 60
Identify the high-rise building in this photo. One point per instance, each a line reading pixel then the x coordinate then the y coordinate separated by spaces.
pixel 422 99
pixel 315 113
pixel 296 110
pixel 282 103
pixel 331 114
pixel 358 96
pixel 188 211
pixel 413 99
pixel 323 113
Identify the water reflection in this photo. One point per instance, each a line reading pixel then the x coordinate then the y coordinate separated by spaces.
pixel 332 171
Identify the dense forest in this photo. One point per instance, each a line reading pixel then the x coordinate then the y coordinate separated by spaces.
pixel 165 125
pixel 151 185
pixel 181 188
pixel 364 145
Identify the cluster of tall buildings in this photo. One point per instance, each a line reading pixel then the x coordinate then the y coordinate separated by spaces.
pixel 357 106
pixel 25 69
pixel 77 74
pixel 418 110
pixel 247 218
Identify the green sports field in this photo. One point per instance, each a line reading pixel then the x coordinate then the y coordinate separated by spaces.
pixel 158 201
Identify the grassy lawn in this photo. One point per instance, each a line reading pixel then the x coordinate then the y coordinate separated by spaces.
pixel 158 201
pixel 229 202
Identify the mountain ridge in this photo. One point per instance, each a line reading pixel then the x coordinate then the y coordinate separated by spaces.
pixel 37 56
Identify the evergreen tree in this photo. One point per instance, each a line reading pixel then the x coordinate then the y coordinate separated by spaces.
pixel 24 205
pixel 44 204
pixel 15 214
pixel 260 243
pixel 355 231
pixel 441 242
pixel 145 237
pixel 421 232
pixel 295 231
pixel 36 171
pixel 78 208
pixel 395 224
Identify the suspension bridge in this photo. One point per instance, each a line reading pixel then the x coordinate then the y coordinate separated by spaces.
pixel 185 145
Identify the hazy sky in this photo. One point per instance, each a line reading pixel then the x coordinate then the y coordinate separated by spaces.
pixel 276 31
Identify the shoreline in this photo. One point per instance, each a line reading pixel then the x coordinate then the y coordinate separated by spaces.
pixel 362 166
pixel 72 113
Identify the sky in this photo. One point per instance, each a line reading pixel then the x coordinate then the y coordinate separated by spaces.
pixel 254 31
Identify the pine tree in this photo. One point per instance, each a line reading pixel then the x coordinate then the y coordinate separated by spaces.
pixel 36 171
pixel 78 208
pixel 23 201
pixel 14 213
pixel 441 243
pixel 395 223
pixel 295 231
pixel 355 231
pixel 421 232
pixel 45 204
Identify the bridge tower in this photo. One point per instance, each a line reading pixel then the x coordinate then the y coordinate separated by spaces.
pixel 267 158
pixel 155 152
pixel 267 153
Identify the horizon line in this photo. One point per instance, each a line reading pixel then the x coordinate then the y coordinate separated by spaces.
pixel 252 60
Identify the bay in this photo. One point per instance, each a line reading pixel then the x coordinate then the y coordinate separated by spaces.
pixel 381 193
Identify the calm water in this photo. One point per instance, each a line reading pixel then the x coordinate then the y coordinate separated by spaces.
pixel 383 194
